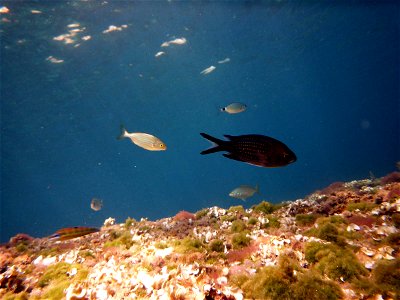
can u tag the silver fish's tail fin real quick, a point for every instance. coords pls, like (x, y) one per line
(123, 132)
(217, 144)
(219, 110)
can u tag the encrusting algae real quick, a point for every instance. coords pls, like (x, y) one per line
(342, 242)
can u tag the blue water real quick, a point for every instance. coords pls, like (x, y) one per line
(321, 77)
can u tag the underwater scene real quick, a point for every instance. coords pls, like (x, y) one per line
(200, 150)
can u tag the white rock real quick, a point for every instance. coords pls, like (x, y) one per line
(146, 280)
(369, 265)
(375, 212)
(349, 293)
(386, 250)
(388, 257)
(110, 221)
(101, 293)
(222, 280)
(164, 252)
(74, 292)
(73, 272)
(207, 287)
(353, 227)
(386, 230)
(367, 252)
(45, 261)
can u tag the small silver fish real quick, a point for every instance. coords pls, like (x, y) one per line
(244, 191)
(96, 204)
(234, 108)
(143, 140)
(208, 70)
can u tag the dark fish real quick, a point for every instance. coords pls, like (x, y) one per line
(254, 149)
(72, 232)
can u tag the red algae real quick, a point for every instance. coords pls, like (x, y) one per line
(394, 192)
(241, 254)
(332, 188)
(391, 177)
(363, 221)
(20, 238)
(184, 215)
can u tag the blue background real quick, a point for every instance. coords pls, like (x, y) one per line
(321, 77)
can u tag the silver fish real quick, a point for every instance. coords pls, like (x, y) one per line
(208, 70)
(244, 191)
(143, 140)
(96, 204)
(234, 108)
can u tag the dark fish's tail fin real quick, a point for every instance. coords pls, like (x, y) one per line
(217, 144)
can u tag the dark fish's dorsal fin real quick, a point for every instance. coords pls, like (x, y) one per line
(211, 138)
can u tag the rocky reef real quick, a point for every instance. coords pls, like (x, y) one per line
(342, 242)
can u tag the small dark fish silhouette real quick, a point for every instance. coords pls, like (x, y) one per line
(72, 232)
(254, 149)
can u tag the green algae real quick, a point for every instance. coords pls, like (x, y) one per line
(120, 239)
(264, 207)
(129, 222)
(280, 282)
(217, 246)
(56, 291)
(310, 286)
(188, 245)
(396, 220)
(393, 240)
(21, 247)
(236, 209)
(58, 272)
(338, 263)
(55, 279)
(386, 276)
(252, 221)
(273, 222)
(311, 250)
(86, 254)
(330, 229)
(306, 219)
(201, 213)
(240, 240)
(161, 245)
(54, 272)
(229, 218)
(238, 226)
(19, 296)
(361, 206)
(384, 280)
